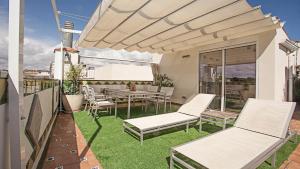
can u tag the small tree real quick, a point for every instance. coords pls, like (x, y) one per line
(72, 82)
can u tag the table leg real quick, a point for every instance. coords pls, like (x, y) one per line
(128, 110)
(224, 125)
(156, 107)
(165, 106)
(116, 106)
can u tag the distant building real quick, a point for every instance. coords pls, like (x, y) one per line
(3, 73)
(35, 73)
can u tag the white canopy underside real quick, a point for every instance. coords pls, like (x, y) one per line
(172, 25)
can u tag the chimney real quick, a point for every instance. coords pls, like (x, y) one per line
(68, 37)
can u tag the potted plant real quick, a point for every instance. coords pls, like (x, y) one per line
(72, 98)
(163, 81)
(131, 86)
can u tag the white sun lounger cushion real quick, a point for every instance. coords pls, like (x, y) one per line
(188, 112)
(267, 117)
(197, 105)
(233, 148)
(151, 122)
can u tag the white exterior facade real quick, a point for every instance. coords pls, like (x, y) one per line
(271, 65)
(122, 72)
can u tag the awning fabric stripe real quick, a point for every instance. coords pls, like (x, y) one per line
(172, 25)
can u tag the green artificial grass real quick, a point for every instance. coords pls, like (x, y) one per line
(116, 149)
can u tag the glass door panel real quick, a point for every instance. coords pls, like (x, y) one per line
(240, 77)
(210, 76)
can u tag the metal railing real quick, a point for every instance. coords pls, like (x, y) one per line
(3, 90)
(35, 85)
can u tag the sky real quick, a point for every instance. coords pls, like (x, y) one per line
(41, 35)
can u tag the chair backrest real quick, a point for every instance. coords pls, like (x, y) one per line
(91, 96)
(152, 88)
(167, 90)
(85, 91)
(266, 116)
(190, 98)
(140, 87)
(197, 105)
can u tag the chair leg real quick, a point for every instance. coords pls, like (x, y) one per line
(116, 107)
(85, 107)
(142, 102)
(170, 106)
(95, 113)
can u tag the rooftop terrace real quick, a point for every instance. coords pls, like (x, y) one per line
(114, 148)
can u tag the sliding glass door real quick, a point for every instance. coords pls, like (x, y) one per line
(238, 81)
(211, 76)
(240, 77)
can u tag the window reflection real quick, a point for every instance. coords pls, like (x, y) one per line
(211, 76)
(240, 76)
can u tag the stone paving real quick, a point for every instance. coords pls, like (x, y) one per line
(67, 148)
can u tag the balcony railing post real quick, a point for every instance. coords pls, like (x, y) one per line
(15, 88)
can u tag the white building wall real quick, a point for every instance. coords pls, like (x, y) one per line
(58, 64)
(124, 72)
(184, 72)
(281, 71)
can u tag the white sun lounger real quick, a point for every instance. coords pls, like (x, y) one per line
(259, 132)
(188, 113)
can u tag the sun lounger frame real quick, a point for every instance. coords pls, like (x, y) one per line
(142, 132)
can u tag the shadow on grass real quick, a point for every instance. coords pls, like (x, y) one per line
(206, 127)
(92, 138)
(137, 111)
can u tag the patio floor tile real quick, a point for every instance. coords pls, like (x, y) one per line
(68, 147)
(293, 161)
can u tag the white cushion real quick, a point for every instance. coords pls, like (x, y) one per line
(197, 105)
(266, 116)
(233, 148)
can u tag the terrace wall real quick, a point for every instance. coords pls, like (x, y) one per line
(3, 134)
(184, 70)
(40, 110)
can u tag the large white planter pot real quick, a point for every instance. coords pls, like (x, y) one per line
(72, 102)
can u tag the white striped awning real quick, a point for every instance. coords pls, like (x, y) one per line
(165, 26)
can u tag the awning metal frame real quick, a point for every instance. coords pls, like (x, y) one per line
(57, 20)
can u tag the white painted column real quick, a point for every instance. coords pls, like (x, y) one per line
(59, 64)
(62, 74)
(15, 83)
